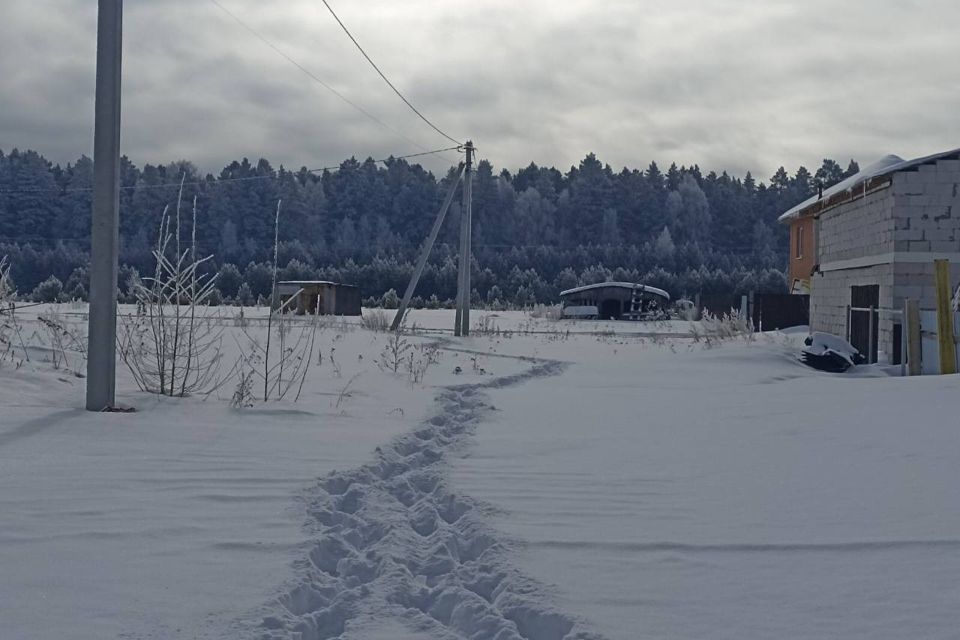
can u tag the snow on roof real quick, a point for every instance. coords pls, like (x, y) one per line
(624, 285)
(885, 166)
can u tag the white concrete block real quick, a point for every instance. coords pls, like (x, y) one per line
(948, 166)
(944, 245)
(910, 234)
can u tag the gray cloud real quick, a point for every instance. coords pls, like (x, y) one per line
(729, 86)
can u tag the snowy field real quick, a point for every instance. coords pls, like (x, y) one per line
(545, 480)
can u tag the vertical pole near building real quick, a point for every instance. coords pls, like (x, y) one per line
(913, 338)
(462, 321)
(104, 232)
(948, 348)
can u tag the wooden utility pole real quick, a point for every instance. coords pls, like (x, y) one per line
(462, 321)
(104, 232)
(948, 348)
(425, 252)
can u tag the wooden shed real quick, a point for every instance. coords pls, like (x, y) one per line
(318, 296)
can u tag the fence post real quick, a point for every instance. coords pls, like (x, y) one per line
(847, 329)
(870, 336)
(948, 349)
(913, 339)
(903, 339)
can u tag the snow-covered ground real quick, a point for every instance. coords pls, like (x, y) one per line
(572, 480)
(729, 493)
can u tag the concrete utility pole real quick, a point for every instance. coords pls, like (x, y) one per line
(462, 322)
(104, 233)
(425, 252)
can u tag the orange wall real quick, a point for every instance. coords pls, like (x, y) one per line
(801, 267)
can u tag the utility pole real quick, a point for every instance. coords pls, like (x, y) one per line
(425, 252)
(104, 233)
(462, 321)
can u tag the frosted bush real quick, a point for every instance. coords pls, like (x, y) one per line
(717, 328)
(375, 320)
(546, 311)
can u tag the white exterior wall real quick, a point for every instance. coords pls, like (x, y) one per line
(830, 296)
(927, 220)
(862, 229)
(859, 228)
(889, 238)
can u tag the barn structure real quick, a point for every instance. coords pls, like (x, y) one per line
(318, 296)
(869, 243)
(615, 301)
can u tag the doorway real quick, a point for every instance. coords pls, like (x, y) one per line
(610, 309)
(864, 323)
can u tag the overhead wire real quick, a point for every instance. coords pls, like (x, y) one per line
(384, 77)
(313, 76)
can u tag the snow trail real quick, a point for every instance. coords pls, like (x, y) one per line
(391, 539)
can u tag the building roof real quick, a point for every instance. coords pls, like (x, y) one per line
(885, 166)
(620, 285)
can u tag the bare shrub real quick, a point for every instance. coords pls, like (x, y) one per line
(421, 358)
(394, 353)
(243, 393)
(278, 374)
(375, 320)
(713, 329)
(546, 311)
(11, 336)
(345, 391)
(486, 325)
(63, 340)
(171, 346)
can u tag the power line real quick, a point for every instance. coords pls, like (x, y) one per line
(313, 76)
(215, 181)
(382, 75)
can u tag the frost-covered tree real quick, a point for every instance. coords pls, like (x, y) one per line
(49, 290)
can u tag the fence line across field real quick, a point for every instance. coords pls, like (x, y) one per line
(343, 322)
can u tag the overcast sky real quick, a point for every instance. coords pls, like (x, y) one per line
(727, 85)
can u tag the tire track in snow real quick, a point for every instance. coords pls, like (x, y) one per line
(392, 539)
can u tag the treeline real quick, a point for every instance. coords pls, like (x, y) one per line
(537, 231)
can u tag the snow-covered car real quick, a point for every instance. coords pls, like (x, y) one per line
(828, 352)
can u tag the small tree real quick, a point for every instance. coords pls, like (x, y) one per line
(229, 280)
(245, 295)
(48, 291)
(390, 300)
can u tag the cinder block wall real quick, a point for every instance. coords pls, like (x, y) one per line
(830, 295)
(927, 208)
(859, 228)
(927, 219)
(918, 214)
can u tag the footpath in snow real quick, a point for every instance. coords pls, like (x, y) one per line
(393, 540)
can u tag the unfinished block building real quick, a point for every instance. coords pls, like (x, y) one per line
(874, 238)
